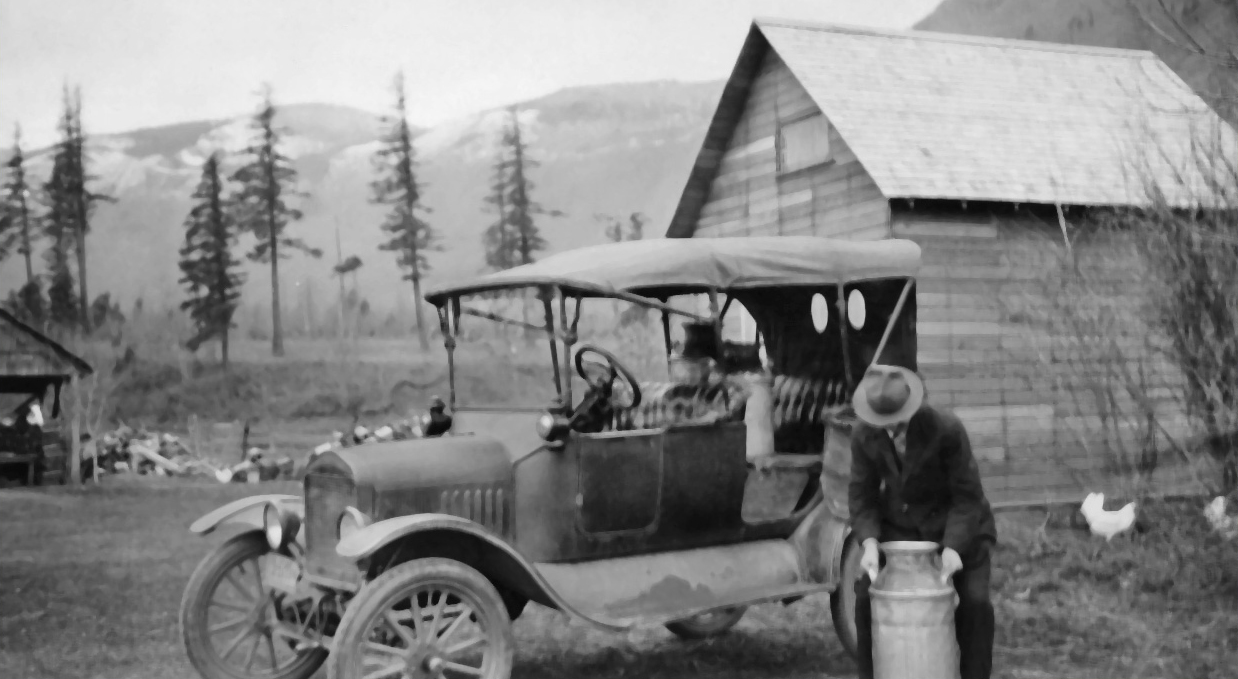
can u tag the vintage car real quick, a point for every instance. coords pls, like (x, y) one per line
(611, 504)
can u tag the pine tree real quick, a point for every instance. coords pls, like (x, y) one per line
(60, 226)
(16, 229)
(411, 237)
(513, 239)
(266, 180)
(210, 271)
(78, 200)
(497, 241)
(522, 207)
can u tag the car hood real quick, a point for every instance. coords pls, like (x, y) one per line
(420, 463)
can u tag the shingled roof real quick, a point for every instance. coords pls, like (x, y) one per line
(935, 115)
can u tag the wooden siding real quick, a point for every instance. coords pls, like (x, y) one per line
(990, 350)
(748, 197)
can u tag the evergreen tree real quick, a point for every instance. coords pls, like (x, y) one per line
(497, 241)
(396, 185)
(266, 181)
(60, 226)
(77, 198)
(210, 271)
(521, 206)
(15, 229)
(27, 303)
(513, 238)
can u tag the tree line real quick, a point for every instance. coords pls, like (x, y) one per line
(56, 213)
(260, 197)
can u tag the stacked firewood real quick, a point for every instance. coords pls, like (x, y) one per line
(126, 450)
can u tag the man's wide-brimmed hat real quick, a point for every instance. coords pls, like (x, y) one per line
(888, 395)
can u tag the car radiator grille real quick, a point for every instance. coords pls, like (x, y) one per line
(326, 496)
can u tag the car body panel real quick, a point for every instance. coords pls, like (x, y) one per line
(627, 591)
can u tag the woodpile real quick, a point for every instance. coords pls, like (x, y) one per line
(126, 450)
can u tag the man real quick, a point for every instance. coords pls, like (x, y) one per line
(913, 477)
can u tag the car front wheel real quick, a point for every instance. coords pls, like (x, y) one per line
(842, 600)
(230, 619)
(432, 618)
(707, 625)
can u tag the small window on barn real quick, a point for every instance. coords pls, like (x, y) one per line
(803, 143)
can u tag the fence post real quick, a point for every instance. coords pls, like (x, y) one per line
(75, 433)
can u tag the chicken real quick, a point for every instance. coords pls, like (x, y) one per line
(1106, 523)
(1227, 526)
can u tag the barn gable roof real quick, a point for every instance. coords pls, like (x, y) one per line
(935, 115)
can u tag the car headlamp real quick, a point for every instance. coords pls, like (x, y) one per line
(551, 427)
(280, 526)
(351, 521)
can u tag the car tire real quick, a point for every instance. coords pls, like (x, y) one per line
(707, 625)
(372, 621)
(219, 566)
(842, 599)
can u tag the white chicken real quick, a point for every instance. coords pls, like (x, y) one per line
(1106, 523)
(1227, 526)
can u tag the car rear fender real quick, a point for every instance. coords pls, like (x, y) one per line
(388, 543)
(246, 512)
(820, 540)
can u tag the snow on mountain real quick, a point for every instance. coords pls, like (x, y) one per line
(612, 149)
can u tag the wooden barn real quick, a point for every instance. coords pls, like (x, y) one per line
(984, 151)
(34, 370)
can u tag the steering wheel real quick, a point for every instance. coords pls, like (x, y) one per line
(601, 388)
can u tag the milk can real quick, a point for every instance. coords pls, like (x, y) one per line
(913, 616)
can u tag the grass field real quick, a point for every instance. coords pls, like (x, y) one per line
(91, 579)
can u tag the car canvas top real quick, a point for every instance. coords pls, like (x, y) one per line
(662, 266)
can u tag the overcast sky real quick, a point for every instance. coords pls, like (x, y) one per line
(151, 62)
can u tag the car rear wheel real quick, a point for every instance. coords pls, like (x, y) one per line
(707, 625)
(229, 618)
(428, 618)
(842, 600)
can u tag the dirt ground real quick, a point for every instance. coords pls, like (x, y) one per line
(91, 579)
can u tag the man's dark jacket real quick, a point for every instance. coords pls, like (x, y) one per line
(936, 496)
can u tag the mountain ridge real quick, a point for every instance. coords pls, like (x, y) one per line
(615, 148)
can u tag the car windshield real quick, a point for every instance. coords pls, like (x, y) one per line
(503, 366)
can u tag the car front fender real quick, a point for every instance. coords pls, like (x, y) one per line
(367, 541)
(246, 512)
(499, 561)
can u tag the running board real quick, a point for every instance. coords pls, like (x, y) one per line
(659, 588)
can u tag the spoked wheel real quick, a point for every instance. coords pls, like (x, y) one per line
(707, 625)
(425, 619)
(230, 620)
(842, 600)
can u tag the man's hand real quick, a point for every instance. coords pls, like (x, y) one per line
(871, 560)
(951, 563)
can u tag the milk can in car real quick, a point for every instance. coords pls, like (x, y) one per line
(913, 616)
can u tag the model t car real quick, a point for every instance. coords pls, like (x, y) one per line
(616, 500)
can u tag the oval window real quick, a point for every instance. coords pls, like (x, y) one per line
(856, 313)
(820, 312)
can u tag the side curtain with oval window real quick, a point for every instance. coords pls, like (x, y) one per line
(787, 320)
(869, 307)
